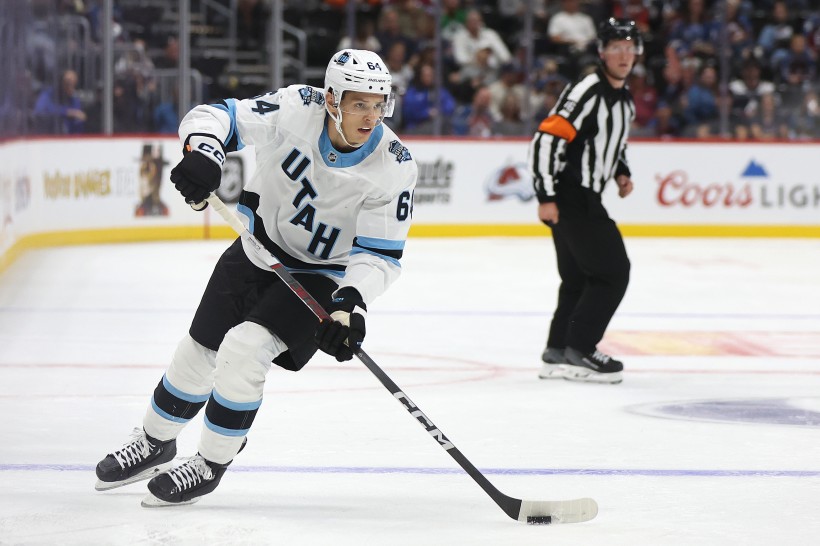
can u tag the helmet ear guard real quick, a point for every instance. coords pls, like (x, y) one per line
(614, 29)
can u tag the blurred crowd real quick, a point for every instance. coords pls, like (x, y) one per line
(710, 69)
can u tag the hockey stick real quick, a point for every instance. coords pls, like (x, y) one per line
(534, 512)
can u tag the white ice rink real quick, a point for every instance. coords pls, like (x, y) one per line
(713, 438)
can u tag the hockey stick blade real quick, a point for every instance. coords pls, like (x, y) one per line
(533, 512)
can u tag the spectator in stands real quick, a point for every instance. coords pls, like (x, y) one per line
(389, 32)
(795, 87)
(469, 77)
(746, 92)
(426, 28)
(664, 124)
(453, 17)
(738, 28)
(646, 100)
(700, 110)
(776, 34)
(694, 32)
(572, 35)
(510, 122)
(474, 37)
(676, 82)
(409, 13)
(481, 121)
(769, 123)
(94, 15)
(365, 37)
(422, 103)
(544, 108)
(130, 115)
(60, 110)
(170, 54)
(805, 119)
(396, 60)
(799, 54)
(811, 28)
(548, 78)
(572, 28)
(402, 72)
(679, 100)
(137, 68)
(507, 83)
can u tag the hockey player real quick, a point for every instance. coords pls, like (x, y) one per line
(331, 198)
(577, 149)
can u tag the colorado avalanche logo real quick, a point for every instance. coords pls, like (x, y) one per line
(397, 149)
(309, 95)
(343, 58)
(511, 180)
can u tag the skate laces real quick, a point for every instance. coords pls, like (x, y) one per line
(601, 357)
(190, 473)
(135, 450)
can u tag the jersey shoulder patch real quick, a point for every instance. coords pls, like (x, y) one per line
(399, 150)
(311, 94)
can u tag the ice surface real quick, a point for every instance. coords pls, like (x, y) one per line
(712, 438)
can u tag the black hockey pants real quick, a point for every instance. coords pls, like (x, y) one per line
(593, 266)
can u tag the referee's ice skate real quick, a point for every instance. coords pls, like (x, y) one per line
(552, 363)
(139, 459)
(594, 367)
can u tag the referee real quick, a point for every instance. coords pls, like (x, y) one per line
(577, 149)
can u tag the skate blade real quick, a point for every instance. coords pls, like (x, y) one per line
(150, 501)
(147, 474)
(551, 371)
(588, 376)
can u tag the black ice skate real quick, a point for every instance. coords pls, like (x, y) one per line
(594, 367)
(139, 459)
(184, 484)
(553, 360)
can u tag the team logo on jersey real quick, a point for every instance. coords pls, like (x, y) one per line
(397, 149)
(332, 157)
(310, 94)
(343, 58)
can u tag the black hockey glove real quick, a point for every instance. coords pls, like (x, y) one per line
(195, 177)
(345, 333)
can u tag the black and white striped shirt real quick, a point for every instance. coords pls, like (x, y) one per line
(583, 140)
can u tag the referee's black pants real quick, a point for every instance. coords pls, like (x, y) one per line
(593, 266)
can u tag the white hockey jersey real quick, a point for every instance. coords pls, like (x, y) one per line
(316, 209)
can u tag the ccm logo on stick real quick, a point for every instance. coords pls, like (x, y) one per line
(418, 414)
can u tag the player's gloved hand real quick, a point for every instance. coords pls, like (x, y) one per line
(195, 177)
(340, 336)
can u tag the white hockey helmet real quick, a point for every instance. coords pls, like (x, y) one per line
(359, 70)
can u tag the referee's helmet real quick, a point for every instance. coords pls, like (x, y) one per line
(619, 29)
